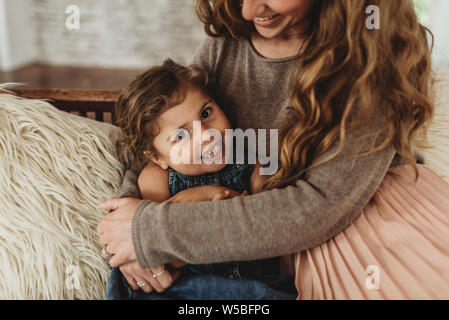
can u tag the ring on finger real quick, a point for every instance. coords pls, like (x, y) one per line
(141, 284)
(157, 275)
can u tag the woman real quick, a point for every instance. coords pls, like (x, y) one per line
(348, 103)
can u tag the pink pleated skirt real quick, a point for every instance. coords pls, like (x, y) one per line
(397, 248)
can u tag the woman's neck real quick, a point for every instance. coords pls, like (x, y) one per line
(277, 48)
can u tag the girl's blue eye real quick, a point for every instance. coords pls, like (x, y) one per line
(179, 135)
(206, 113)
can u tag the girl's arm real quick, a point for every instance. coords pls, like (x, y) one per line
(153, 186)
(129, 187)
(257, 180)
(153, 183)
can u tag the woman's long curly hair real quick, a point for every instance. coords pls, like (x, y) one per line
(346, 73)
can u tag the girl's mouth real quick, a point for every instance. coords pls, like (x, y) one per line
(212, 152)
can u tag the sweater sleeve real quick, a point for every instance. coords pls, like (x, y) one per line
(268, 224)
(129, 188)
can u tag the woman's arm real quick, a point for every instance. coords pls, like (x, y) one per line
(153, 185)
(268, 224)
(129, 187)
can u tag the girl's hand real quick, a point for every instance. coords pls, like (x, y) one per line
(205, 193)
(135, 275)
(223, 195)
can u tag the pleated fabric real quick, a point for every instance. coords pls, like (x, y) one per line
(398, 248)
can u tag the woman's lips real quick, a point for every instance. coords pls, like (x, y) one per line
(266, 21)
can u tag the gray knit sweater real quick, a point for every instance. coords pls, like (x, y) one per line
(268, 224)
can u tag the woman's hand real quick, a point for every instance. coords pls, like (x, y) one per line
(135, 275)
(115, 230)
(205, 193)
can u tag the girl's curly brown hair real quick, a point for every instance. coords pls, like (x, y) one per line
(146, 97)
(346, 70)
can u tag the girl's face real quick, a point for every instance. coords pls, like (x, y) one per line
(176, 139)
(276, 18)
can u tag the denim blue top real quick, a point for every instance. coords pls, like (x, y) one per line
(234, 176)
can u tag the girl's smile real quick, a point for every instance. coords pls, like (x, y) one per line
(212, 153)
(196, 130)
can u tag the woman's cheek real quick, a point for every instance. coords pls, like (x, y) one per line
(291, 6)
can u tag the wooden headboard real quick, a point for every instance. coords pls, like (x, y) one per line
(94, 104)
(87, 91)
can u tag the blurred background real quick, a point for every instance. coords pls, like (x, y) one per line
(434, 14)
(115, 40)
(118, 38)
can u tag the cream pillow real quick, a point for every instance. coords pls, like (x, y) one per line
(55, 168)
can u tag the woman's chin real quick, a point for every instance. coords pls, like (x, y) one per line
(267, 33)
(272, 32)
(281, 30)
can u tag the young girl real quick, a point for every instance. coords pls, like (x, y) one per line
(157, 112)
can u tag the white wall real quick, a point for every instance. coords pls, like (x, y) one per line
(116, 33)
(129, 33)
(438, 22)
(16, 45)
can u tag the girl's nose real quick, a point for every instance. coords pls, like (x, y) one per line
(209, 135)
(206, 135)
(253, 8)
